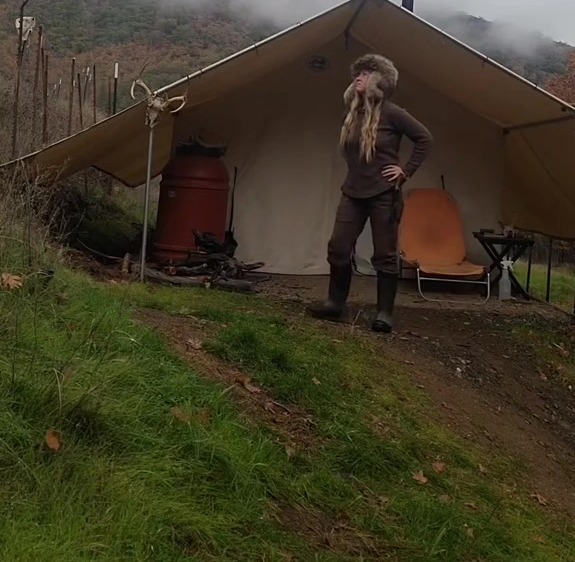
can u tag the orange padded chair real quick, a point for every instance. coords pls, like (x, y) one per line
(432, 241)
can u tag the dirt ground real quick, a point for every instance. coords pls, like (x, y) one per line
(487, 385)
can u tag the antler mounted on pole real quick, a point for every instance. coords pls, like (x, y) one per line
(158, 105)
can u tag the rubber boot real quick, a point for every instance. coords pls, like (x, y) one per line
(386, 293)
(339, 285)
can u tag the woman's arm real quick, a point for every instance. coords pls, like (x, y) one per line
(417, 133)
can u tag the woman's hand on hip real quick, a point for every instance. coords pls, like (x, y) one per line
(393, 174)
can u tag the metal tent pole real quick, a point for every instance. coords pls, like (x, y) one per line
(147, 206)
(157, 105)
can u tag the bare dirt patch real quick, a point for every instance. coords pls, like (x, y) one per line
(489, 386)
(335, 534)
(293, 425)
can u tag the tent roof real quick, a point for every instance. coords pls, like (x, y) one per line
(539, 127)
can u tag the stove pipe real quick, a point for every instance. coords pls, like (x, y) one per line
(407, 4)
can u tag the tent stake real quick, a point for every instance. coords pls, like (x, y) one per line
(157, 105)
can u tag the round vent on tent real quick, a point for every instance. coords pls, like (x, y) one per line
(317, 63)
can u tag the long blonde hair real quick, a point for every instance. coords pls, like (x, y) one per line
(362, 120)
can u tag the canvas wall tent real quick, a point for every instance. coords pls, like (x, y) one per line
(504, 146)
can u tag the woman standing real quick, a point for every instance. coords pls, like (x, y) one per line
(370, 139)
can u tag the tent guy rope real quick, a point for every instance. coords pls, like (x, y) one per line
(157, 104)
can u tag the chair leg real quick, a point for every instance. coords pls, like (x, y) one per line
(419, 288)
(428, 299)
(488, 288)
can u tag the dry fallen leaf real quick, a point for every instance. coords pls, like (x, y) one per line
(539, 540)
(54, 440)
(472, 505)
(542, 375)
(246, 382)
(269, 407)
(439, 467)
(316, 381)
(383, 500)
(194, 344)
(444, 498)
(470, 532)
(562, 350)
(420, 477)
(482, 469)
(540, 499)
(10, 282)
(180, 415)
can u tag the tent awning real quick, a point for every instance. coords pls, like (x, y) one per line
(538, 129)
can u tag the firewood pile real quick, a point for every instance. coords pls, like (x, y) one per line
(212, 265)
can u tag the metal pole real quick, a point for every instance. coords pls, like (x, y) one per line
(549, 263)
(109, 96)
(94, 94)
(156, 106)
(87, 83)
(45, 103)
(80, 102)
(39, 60)
(147, 206)
(20, 56)
(71, 101)
(116, 76)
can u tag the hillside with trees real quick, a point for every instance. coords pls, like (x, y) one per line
(178, 37)
(563, 85)
(175, 37)
(528, 53)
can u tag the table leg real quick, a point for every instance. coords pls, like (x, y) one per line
(497, 258)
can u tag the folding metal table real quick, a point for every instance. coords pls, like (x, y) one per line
(500, 247)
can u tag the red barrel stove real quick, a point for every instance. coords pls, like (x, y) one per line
(194, 194)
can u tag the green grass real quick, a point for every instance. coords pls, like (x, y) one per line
(133, 483)
(562, 292)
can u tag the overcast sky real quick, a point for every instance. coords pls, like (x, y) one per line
(555, 18)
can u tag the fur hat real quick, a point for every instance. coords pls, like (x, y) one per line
(382, 82)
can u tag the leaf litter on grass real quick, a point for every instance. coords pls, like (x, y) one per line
(275, 361)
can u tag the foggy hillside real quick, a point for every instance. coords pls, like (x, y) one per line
(176, 37)
(526, 52)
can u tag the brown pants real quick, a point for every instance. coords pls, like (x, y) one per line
(384, 213)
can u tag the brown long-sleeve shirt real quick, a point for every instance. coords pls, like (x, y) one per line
(364, 179)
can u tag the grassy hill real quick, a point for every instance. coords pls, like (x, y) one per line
(166, 425)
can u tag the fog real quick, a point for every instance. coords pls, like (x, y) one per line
(515, 19)
(280, 12)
